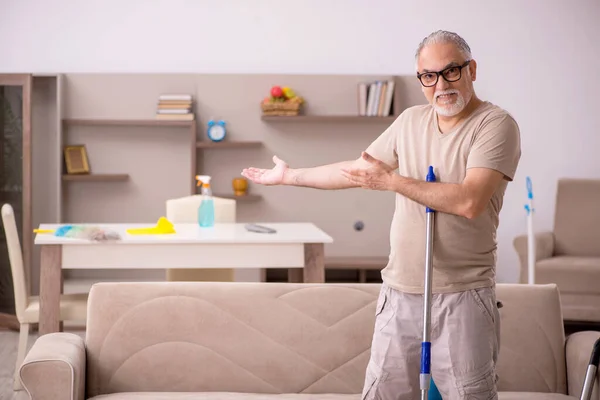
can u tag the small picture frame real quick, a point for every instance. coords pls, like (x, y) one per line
(76, 160)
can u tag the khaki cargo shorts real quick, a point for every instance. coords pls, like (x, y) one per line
(465, 340)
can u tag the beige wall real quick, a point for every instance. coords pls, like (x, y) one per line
(158, 159)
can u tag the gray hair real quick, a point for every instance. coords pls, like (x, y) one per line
(445, 37)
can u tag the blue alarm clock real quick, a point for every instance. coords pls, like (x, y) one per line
(216, 130)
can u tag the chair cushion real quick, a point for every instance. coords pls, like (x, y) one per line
(576, 222)
(293, 396)
(571, 274)
(73, 306)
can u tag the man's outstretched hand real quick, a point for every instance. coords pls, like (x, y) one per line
(377, 176)
(272, 176)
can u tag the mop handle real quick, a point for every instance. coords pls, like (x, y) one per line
(425, 376)
(592, 370)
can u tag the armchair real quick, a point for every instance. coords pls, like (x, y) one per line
(570, 255)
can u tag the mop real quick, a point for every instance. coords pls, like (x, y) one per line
(592, 370)
(530, 236)
(425, 376)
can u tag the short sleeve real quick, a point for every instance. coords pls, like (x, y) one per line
(384, 147)
(497, 146)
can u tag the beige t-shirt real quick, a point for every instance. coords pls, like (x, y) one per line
(464, 251)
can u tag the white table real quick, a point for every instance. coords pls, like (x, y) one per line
(297, 246)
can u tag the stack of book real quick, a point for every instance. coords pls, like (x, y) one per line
(175, 107)
(375, 99)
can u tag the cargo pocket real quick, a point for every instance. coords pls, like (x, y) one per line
(484, 305)
(381, 301)
(479, 386)
(373, 379)
(383, 310)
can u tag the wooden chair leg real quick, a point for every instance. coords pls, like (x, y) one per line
(21, 351)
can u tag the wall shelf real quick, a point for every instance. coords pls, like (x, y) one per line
(247, 197)
(95, 177)
(188, 125)
(227, 144)
(127, 122)
(328, 118)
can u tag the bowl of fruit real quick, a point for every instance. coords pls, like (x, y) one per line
(282, 101)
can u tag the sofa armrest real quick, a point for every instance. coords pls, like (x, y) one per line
(54, 368)
(578, 352)
(544, 248)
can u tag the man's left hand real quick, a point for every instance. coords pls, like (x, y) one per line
(377, 176)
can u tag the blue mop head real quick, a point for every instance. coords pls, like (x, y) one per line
(434, 393)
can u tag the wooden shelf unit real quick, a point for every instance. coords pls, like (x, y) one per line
(150, 122)
(329, 118)
(126, 122)
(95, 177)
(97, 92)
(227, 144)
(196, 144)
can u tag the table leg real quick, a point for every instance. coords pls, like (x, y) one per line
(295, 275)
(50, 289)
(314, 263)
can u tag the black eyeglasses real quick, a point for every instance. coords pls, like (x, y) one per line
(450, 74)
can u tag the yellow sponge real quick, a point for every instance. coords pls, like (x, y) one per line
(163, 226)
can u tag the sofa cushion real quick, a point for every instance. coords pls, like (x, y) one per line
(221, 336)
(571, 274)
(248, 396)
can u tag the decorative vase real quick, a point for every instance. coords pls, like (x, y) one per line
(240, 186)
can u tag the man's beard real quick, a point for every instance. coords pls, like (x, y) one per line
(450, 109)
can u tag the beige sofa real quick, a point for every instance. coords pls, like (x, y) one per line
(570, 255)
(251, 341)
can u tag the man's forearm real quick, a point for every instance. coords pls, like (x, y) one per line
(450, 198)
(328, 177)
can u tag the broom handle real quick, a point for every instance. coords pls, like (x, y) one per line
(530, 234)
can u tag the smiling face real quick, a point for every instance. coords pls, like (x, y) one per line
(447, 98)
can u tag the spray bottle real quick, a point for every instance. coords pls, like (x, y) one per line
(206, 210)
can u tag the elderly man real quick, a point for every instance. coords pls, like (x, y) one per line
(474, 147)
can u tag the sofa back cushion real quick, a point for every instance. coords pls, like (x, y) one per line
(283, 337)
(532, 339)
(223, 336)
(577, 218)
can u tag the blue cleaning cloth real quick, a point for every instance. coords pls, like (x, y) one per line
(62, 231)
